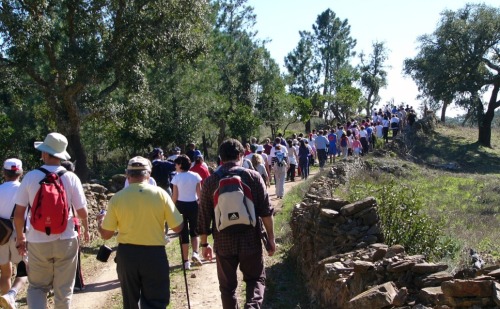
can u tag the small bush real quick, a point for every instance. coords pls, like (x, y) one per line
(403, 221)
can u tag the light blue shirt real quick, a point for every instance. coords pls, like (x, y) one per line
(321, 142)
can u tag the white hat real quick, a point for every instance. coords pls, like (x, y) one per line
(55, 144)
(260, 148)
(139, 164)
(13, 164)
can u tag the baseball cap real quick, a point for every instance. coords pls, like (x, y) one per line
(197, 154)
(13, 164)
(156, 152)
(139, 164)
(177, 149)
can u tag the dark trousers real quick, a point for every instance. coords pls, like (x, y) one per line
(144, 276)
(304, 167)
(322, 157)
(189, 211)
(364, 143)
(254, 275)
(385, 134)
(290, 173)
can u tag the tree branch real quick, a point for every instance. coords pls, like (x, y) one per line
(491, 65)
(105, 92)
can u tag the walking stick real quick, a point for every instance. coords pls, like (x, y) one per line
(184, 269)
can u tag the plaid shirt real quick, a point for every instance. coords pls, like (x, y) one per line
(233, 240)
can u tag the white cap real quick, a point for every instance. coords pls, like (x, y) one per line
(13, 164)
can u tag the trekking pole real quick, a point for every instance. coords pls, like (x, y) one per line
(184, 269)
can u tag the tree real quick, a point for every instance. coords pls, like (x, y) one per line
(303, 74)
(468, 44)
(79, 52)
(333, 46)
(237, 58)
(373, 75)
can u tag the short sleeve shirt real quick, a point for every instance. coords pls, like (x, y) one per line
(186, 185)
(139, 213)
(25, 196)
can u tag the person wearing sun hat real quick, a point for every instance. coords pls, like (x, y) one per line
(53, 258)
(139, 213)
(12, 172)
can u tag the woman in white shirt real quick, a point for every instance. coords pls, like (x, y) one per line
(186, 192)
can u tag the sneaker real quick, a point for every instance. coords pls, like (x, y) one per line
(187, 265)
(7, 301)
(196, 259)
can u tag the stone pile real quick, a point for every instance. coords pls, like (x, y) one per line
(97, 199)
(339, 248)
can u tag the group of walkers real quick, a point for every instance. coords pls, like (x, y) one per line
(176, 192)
(45, 207)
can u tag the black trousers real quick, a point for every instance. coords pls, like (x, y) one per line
(143, 272)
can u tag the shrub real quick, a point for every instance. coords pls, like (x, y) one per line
(403, 221)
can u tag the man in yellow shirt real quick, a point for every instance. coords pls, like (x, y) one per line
(139, 213)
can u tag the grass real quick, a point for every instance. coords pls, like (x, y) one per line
(466, 200)
(284, 287)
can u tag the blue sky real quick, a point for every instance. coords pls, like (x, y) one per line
(398, 23)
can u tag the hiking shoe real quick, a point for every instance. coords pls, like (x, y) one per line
(196, 259)
(8, 301)
(187, 265)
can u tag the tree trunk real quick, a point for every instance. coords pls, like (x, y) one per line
(308, 126)
(484, 123)
(78, 155)
(204, 145)
(443, 111)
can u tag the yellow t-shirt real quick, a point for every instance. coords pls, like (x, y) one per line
(139, 212)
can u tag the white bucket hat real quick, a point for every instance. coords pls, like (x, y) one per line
(55, 144)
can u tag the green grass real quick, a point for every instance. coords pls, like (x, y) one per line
(465, 201)
(284, 287)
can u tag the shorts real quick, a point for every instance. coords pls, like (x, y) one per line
(9, 253)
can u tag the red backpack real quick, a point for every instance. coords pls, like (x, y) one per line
(50, 210)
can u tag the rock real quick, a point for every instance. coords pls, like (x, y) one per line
(329, 213)
(431, 296)
(495, 273)
(333, 203)
(433, 279)
(351, 209)
(377, 297)
(362, 266)
(393, 251)
(496, 293)
(401, 297)
(468, 288)
(470, 302)
(428, 268)
(379, 253)
(400, 266)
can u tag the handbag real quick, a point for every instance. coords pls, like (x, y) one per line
(6, 228)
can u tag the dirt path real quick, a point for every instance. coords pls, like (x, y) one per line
(103, 288)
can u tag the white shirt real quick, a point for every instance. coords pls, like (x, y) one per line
(25, 196)
(186, 185)
(273, 150)
(7, 194)
(151, 181)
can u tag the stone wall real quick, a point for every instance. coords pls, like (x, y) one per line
(97, 199)
(338, 246)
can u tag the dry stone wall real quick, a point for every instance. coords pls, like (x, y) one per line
(338, 246)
